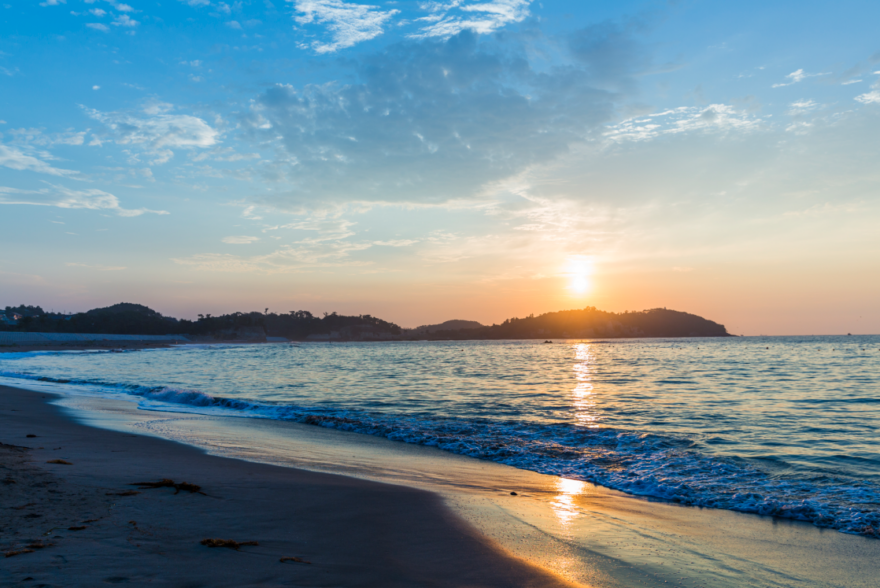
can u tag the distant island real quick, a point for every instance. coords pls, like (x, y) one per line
(135, 319)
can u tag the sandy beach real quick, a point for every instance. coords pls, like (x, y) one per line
(82, 523)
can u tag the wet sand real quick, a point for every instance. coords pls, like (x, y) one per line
(95, 531)
(585, 533)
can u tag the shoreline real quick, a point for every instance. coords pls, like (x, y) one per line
(354, 532)
(574, 531)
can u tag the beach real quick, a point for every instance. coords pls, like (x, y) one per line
(352, 532)
(383, 465)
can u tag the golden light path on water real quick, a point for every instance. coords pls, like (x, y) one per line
(586, 415)
(583, 402)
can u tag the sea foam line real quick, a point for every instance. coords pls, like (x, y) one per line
(637, 463)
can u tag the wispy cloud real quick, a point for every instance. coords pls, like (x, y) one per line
(713, 118)
(798, 76)
(158, 131)
(62, 197)
(872, 97)
(348, 23)
(801, 107)
(430, 122)
(396, 243)
(100, 268)
(448, 19)
(16, 159)
(242, 240)
(123, 20)
(294, 258)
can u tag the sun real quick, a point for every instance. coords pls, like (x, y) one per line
(579, 270)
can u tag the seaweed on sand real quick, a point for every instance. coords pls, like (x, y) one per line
(229, 543)
(167, 483)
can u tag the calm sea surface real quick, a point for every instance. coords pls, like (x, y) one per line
(783, 426)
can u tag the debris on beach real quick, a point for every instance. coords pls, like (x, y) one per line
(229, 543)
(126, 493)
(166, 483)
(30, 436)
(79, 528)
(296, 559)
(513, 494)
(39, 545)
(17, 552)
(59, 461)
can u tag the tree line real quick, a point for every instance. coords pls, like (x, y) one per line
(589, 322)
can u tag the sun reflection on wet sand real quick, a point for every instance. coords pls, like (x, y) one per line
(563, 505)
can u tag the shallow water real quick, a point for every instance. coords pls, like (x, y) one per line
(784, 426)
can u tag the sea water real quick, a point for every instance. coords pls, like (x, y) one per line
(780, 426)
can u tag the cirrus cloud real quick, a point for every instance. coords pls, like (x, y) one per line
(347, 22)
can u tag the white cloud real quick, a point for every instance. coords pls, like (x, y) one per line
(62, 197)
(93, 199)
(851, 82)
(98, 26)
(480, 17)
(248, 213)
(872, 97)
(348, 23)
(196, 3)
(32, 137)
(396, 243)
(234, 24)
(716, 117)
(53, 2)
(96, 87)
(242, 240)
(123, 20)
(159, 132)
(121, 7)
(99, 12)
(798, 76)
(801, 107)
(16, 159)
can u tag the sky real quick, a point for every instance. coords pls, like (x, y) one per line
(432, 160)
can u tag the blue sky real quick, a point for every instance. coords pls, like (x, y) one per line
(430, 160)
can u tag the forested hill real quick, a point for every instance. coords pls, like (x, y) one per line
(589, 322)
(135, 319)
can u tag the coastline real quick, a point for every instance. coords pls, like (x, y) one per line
(354, 532)
(583, 533)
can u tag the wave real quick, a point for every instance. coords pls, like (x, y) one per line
(643, 464)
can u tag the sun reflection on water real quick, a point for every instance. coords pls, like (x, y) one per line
(583, 403)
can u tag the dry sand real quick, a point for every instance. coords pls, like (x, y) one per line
(354, 532)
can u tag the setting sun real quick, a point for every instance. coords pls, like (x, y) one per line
(578, 272)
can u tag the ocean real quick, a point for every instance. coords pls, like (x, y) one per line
(779, 426)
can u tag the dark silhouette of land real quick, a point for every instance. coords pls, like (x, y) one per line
(453, 325)
(135, 319)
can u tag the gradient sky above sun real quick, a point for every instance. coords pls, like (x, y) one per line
(423, 161)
